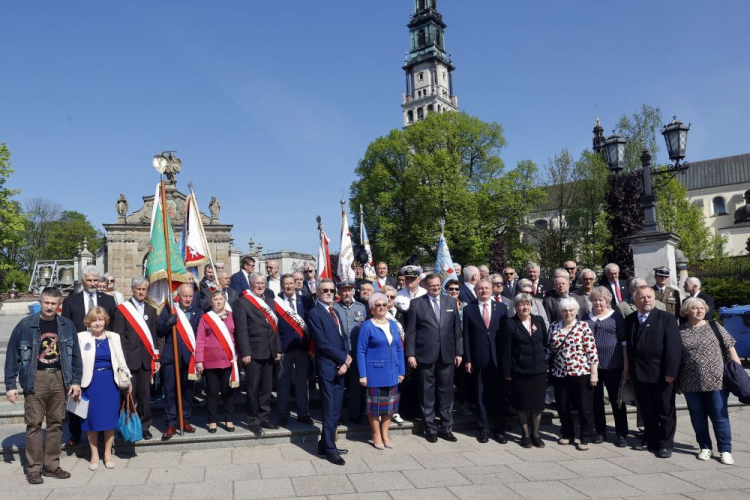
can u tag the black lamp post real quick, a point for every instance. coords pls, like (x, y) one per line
(675, 135)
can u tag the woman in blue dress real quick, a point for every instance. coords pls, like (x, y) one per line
(101, 354)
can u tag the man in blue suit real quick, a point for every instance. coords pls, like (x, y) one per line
(332, 360)
(240, 280)
(164, 326)
(484, 320)
(295, 349)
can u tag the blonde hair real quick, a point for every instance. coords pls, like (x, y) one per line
(94, 314)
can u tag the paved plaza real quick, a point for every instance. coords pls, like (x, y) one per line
(413, 470)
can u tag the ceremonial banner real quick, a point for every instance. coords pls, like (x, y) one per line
(196, 247)
(443, 262)
(346, 255)
(370, 265)
(156, 260)
(323, 265)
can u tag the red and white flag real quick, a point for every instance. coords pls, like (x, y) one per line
(346, 254)
(323, 265)
(196, 247)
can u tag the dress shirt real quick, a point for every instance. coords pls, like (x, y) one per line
(292, 301)
(89, 296)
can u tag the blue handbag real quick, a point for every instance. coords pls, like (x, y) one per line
(736, 378)
(129, 427)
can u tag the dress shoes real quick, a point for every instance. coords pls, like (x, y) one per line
(335, 459)
(483, 437)
(170, 431)
(431, 438)
(621, 442)
(188, 428)
(305, 419)
(212, 430)
(537, 441)
(526, 442)
(282, 421)
(448, 436)
(598, 439)
(340, 451)
(500, 438)
(255, 429)
(664, 453)
(72, 442)
(268, 425)
(147, 436)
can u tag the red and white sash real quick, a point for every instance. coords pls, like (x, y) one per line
(137, 323)
(221, 332)
(267, 312)
(290, 316)
(185, 329)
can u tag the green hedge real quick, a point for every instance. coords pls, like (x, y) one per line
(726, 292)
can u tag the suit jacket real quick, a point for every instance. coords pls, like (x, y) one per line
(709, 307)
(553, 310)
(252, 332)
(509, 290)
(481, 343)
(74, 309)
(232, 297)
(307, 291)
(331, 343)
(508, 304)
(429, 341)
(543, 287)
(136, 354)
(623, 290)
(671, 298)
(238, 282)
(654, 348)
(288, 337)
(164, 332)
(466, 294)
(524, 354)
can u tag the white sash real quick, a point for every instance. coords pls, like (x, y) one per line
(216, 323)
(260, 303)
(182, 318)
(283, 304)
(139, 319)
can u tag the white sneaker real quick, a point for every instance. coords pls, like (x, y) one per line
(397, 418)
(726, 458)
(705, 455)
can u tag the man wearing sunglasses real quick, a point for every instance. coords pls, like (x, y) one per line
(309, 283)
(332, 361)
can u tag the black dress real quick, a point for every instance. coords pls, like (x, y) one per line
(526, 363)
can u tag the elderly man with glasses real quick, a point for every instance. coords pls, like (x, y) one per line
(309, 280)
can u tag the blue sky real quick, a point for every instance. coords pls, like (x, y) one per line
(271, 104)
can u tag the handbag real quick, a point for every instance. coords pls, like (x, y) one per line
(626, 393)
(736, 378)
(122, 375)
(129, 427)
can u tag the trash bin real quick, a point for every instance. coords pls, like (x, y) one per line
(35, 308)
(737, 322)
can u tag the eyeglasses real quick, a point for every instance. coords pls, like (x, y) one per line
(325, 290)
(497, 283)
(381, 305)
(452, 289)
(391, 297)
(588, 279)
(570, 268)
(308, 270)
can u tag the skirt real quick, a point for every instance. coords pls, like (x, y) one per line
(382, 401)
(527, 392)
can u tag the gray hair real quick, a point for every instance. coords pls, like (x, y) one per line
(375, 297)
(91, 271)
(587, 271)
(492, 277)
(295, 273)
(327, 280)
(601, 291)
(611, 266)
(387, 288)
(532, 265)
(689, 302)
(522, 297)
(470, 271)
(483, 268)
(561, 277)
(137, 281)
(524, 282)
(484, 280)
(561, 272)
(181, 287)
(693, 281)
(636, 283)
(569, 303)
(222, 273)
(103, 278)
(252, 277)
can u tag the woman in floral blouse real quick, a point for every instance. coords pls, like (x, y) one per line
(701, 379)
(573, 366)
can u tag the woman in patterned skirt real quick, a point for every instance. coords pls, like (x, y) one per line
(701, 378)
(380, 359)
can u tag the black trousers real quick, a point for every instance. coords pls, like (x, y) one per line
(217, 382)
(436, 395)
(74, 426)
(491, 395)
(656, 402)
(578, 391)
(259, 381)
(141, 382)
(354, 391)
(610, 379)
(170, 394)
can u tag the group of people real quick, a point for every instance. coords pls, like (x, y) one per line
(493, 341)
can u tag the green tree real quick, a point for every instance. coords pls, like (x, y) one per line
(67, 233)
(562, 178)
(41, 214)
(12, 221)
(446, 166)
(642, 131)
(675, 214)
(588, 224)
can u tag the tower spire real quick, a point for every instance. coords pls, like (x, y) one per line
(599, 139)
(427, 66)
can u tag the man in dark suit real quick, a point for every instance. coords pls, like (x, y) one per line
(510, 281)
(617, 287)
(471, 277)
(571, 268)
(138, 355)
(483, 324)
(382, 279)
(692, 288)
(434, 346)
(255, 327)
(299, 284)
(496, 281)
(332, 362)
(539, 286)
(209, 281)
(240, 280)
(310, 279)
(75, 307)
(654, 353)
(295, 348)
(230, 294)
(562, 291)
(168, 319)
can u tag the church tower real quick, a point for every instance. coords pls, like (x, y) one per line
(599, 139)
(429, 72)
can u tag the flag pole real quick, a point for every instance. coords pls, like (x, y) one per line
(361, 223)
(170, 303)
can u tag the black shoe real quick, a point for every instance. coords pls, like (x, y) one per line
(640, 445)
(664, 453)
(355, 421)
(526, 442)
(230, 429)
(335, 459)
(448, 436)
(147, 436)
(212, 430)
(282, 421)
(342, 451)
(598, 439)
(305, 419)
(537, 441)
(431, 438)
(500, 438)
(69, 444)
(483, 437)
(255, 429)
(268, 425)
(621, 442)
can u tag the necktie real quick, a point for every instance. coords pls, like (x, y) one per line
(497, 298)
(311, 286)
(619, 294)
(91, 302)
(533, 288)
(641, 318)
(436, 307)
(335, 319)
(248, 280)
(486, 315)
(291, 305)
